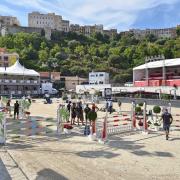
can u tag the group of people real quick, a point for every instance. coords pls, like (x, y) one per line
(16, 108)
(78, 111)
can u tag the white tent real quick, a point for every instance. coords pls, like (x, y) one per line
(18, 69)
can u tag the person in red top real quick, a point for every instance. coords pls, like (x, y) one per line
(94, 107)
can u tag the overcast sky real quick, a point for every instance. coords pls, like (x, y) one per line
(120, 14)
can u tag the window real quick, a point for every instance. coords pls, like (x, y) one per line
(101, 82)
(91, 75)
(101, 75)
(6, 58)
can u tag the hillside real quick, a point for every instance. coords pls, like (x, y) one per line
(73, 54)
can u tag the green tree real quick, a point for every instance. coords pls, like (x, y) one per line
(43, 55)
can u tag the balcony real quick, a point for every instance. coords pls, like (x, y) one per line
(19, 82)
(15, 92)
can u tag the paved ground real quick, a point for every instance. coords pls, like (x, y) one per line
(75, 157)
(125, 156)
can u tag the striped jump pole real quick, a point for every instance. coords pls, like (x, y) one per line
(104, 131)
(145, 125)
(2, 128)
(133, 114)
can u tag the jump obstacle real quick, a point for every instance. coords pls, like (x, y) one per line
(124, 121)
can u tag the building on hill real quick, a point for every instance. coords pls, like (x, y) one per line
(98, 78)
(17, 80)
(86, 30)
(6, 58)
(160, 33)
(16, 29)
(50, 20)
(9, 21)
(75, 28)
(110, 32)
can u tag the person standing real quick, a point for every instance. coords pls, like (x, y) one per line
(110, 106)
(73, 113)
(119, 105)
(16, 110)
(80, 112)
(29, 98)
(69, 106)
(86, 110)
(167, 121)
(8, 106)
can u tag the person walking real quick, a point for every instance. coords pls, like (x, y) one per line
(167, 121)
(16, 110)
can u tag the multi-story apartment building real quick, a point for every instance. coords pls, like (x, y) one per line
(165, 32)
(51, 20)
(111, 32)
(75, 28)
(7, 59)
(98, 78)
(86, 30)
(9, 20)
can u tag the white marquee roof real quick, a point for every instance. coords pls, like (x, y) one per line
(157, 64)
(18, 69)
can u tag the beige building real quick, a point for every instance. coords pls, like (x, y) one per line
(111, 32)
(7, 59)
(164, 33)
(51, 20)
(86, 30)
(9, 20)
(75, 28)
(71, 82)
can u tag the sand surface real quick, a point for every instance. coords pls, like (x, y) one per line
(125, 156)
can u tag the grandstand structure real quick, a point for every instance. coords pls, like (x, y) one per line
(158, 75)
